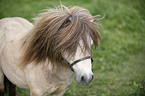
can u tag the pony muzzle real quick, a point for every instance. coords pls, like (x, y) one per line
(85, 80)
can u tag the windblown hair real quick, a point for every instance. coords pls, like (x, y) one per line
(57, 31)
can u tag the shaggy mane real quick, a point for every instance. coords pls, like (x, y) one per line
(57, 31)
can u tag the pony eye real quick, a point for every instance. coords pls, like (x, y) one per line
(66, 23)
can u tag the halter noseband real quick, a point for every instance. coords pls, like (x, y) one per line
(79, 60)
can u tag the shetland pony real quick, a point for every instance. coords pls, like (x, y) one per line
(45, 57)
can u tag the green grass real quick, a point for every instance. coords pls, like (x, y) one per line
(119, 63)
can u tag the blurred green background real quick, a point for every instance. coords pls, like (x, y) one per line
(119, 63)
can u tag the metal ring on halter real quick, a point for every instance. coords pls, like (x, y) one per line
(79, 60)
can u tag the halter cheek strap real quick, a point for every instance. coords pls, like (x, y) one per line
(79, 60)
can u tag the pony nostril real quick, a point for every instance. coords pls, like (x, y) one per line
(83, 79)
(92, 78)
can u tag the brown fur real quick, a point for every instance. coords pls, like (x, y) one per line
(57, 31)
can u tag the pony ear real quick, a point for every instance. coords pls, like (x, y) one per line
(93, 20)
(67, 22)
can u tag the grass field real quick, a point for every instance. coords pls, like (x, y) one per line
(119, 63)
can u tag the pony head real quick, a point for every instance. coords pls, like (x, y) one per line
(64, 35)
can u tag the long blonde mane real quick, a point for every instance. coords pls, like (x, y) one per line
(59, 30)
